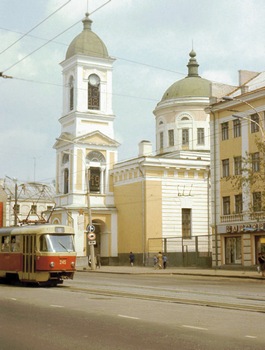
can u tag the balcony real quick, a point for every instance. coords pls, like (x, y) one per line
(232, 217)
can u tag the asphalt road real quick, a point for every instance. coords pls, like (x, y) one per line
(71, 316)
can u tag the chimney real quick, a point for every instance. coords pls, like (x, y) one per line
(145, 148)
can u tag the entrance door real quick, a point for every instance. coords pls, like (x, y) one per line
(233, 254)
(29, 244)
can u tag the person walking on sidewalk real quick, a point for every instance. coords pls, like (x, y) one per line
(261, 260)
(160, 260)
(164, 261)
(131, 258)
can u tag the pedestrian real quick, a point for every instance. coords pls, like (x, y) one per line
(261, 260)
(131, 258)
(98, 261)
(164, 261)
(155, 261)
(160, 260)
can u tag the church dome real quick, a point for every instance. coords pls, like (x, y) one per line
(87, 43)
(191, 86)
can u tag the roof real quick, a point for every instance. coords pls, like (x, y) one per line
(87, 43)
(191, 86)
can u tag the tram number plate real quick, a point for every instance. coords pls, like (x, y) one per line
(62, 261)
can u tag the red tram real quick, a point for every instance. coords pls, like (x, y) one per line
(42, 254)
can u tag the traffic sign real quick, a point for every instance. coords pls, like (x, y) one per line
(90, 228)
(91, 236)
(92, 242)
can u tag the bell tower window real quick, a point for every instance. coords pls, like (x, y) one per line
(71, 94)
(93, 92)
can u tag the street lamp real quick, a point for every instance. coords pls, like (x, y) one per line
(87, 176)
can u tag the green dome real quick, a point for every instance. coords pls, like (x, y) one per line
(191, 86)
(87, 43)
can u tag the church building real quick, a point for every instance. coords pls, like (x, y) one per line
(157, 201)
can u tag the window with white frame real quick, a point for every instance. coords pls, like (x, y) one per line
(200, 136)
(225, 167)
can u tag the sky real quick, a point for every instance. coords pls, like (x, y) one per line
(150, 41)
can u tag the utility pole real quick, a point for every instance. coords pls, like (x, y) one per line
(90, 227)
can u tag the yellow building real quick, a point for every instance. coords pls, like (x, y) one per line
(237, 129)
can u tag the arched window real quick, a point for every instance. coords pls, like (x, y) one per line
(71, 93)
(93, 92)
(66, 181)
(96, 162)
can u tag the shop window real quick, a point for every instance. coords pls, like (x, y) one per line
(233, 250)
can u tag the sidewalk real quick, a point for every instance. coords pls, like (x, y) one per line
(137, 270)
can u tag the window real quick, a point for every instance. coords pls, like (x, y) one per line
(256, 201)
(94, 181)
(161, 136)
(255, 162)
(186, 223)
(224, 131)
(254, 123)
(225, 166)
(226, 205)
(238, 204)
(93, 92)
(66, 181)
(238, 165)
(237, 128)
(185, 137)
(200, 136)
(33, 209)
(71, 94)
(171, 137)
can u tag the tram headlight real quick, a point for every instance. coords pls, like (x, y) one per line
(72, 264)
(52, 264)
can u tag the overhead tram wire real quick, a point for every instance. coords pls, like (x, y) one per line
(36, 26)
(49, 41)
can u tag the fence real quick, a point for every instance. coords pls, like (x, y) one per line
(195, 251)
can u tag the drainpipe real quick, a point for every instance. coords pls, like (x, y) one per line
(143, 214)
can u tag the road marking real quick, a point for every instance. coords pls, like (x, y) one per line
(133, 318)
(56, 305)
(250, 336)
(194, 327)
(13, 298)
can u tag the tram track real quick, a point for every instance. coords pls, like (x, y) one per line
(257, 306)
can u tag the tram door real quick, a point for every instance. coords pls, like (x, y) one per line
(29, 244)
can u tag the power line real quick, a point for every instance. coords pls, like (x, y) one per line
(36, 26)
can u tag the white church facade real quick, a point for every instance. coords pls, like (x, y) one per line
(158, 201)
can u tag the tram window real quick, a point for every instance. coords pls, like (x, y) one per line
(5, 247)
(56, 243)
(15, 243)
